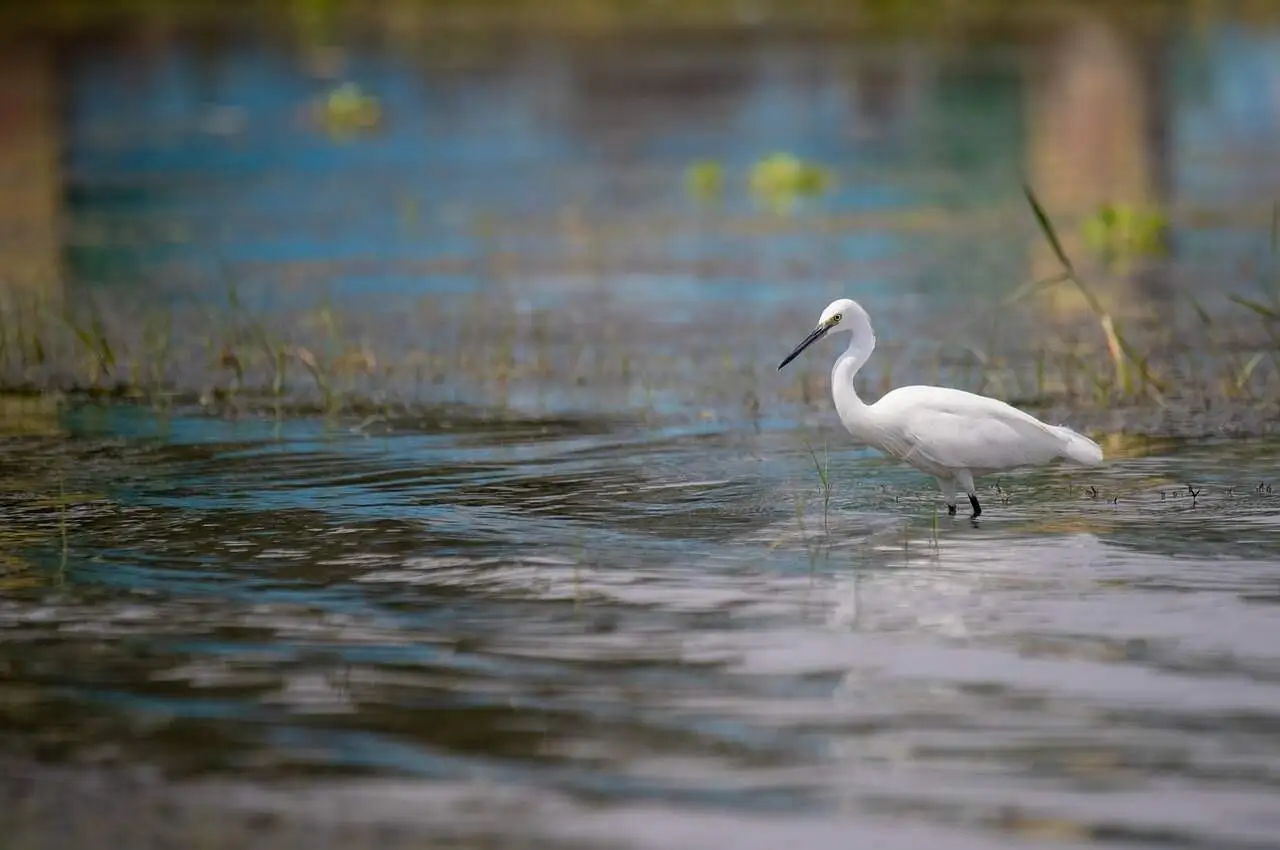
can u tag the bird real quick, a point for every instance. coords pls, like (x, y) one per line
(953, 435)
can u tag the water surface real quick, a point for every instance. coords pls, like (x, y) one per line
(645, 617)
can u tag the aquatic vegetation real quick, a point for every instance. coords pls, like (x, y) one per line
(1124, 357)
(244, 364)
(1122, 232)
(704, 179)
(347, 109)
(824, 478)
(233, 359)
(780, 180)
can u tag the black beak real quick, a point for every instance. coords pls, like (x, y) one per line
(818, 333)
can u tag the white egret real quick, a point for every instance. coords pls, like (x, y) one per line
(953, 435)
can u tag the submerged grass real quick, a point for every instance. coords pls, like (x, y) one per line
(824, 479)
(1124, 356)
(481, 356)
(600, 351)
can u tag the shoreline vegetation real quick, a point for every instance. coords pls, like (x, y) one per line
(1199, 372)
(1205, 353)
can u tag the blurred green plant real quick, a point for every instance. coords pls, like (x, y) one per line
(347, 109)
(777, 181)
(781, 179)
(704, 179)
(1123, 232)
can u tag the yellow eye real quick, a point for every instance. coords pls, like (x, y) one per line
(835, 320)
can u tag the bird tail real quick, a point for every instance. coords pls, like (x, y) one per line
(1078, 447)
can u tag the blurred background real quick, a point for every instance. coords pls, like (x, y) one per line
(431, 169)
(388, 393)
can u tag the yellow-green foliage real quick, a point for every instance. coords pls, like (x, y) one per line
(348, 109)
(705, 179)
(1124, 231)
(781, 179)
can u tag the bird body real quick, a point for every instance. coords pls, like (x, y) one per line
(950, 434)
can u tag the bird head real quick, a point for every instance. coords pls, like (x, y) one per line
(843, 314)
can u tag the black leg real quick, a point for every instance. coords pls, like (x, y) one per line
(951, 509)
(977, 509)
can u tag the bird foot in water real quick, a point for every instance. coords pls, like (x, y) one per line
(977, 508)
(951, 510)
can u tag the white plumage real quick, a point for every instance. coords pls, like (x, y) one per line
(950, 434)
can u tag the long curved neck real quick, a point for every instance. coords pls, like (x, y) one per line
(855, 415)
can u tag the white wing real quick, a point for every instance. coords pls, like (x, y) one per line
(957, 429)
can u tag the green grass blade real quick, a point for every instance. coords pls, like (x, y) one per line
(1256, 306)
(1047, 227)
(1200, 311)
(105, 354)
(1034, 286)
(822, 473)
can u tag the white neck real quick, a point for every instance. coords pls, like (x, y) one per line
(856, 416)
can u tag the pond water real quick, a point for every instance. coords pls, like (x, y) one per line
(595, 621)
(651, 620)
